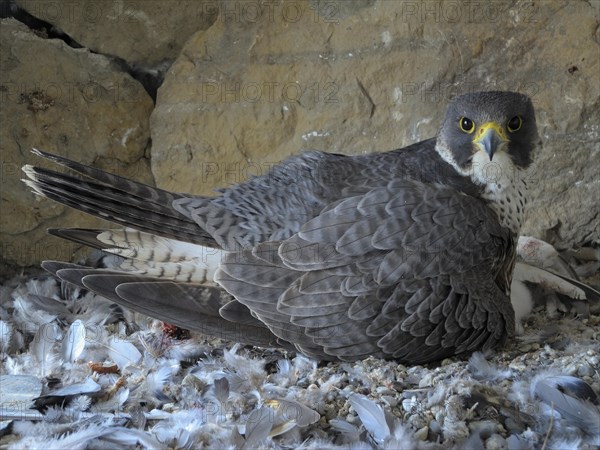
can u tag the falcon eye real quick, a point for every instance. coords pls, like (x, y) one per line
(467, 125)
(514, 124)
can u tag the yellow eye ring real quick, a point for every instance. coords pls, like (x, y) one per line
(514, 124)
(466, 124)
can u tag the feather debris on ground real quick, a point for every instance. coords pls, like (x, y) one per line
(79, 372)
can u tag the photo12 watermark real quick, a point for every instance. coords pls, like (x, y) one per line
(274, 11)
(81, 11)
(267, 92)
(426, 92)
(465, 11)
(41, 96)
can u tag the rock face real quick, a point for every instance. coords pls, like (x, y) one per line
(143, 33)
(365, 76)
(70, 102)
(259, 81)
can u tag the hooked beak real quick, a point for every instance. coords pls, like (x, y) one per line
(490, 136)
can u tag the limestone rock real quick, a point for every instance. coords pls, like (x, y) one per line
(365, 76)
(70, 102)
(140, 32)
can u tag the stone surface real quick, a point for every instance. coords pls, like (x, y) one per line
(362, 76)
(141, 32)
(70, 102)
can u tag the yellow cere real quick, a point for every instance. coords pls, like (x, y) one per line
(483, 129)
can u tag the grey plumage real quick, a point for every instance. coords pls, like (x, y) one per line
(406, 254)
(573, 399)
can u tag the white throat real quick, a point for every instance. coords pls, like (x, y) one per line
(504, 185)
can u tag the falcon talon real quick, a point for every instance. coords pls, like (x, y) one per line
(223, 265)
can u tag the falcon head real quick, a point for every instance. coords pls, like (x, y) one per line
(485, 129)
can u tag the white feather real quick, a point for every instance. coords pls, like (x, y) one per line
(43, 342)
(81, 403)
(131, 438)
(294, 411)
(74, 342)
(349, 431)
(157, 380)
(46, 287)
(6, 332)
(256, 428)
(481, 368)
(371, 415)
(77, 440)
(566, 444)
(123, 353)
(114, 402)
(28, 318)
(88, 386)
(250, 371)
(158, 256)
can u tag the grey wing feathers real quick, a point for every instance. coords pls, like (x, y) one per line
(116, 199)
(191, 306)
(274, 206)
(401, 226)
(354, 282)
(269, 207)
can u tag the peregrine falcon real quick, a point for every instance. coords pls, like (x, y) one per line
(406, 254)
